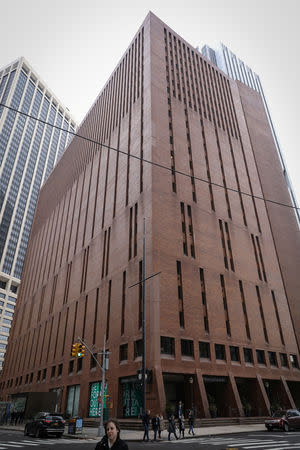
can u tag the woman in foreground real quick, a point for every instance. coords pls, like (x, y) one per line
(112, 437)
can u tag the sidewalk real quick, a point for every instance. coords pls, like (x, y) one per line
(131, 435)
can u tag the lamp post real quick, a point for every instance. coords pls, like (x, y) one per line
(191, 381)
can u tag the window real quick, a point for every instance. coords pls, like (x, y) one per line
(220, 352)
(13, 289)
(138, 348)
(26, 379)
(5, 329)
(79, 364)
(44, 374)
(93, 362)
(38, 377)
(71, 366)
(234, 353)
(187, 347)
(2, 284)
(167, 345)
(12, 299)
(124, 352)
(53, 371)
(294, 361)
(59, 371)
(204, 350)
(248, 355)
(31, 378)
(283, 360)
(261, 359)
(9, 306)
(273, 359)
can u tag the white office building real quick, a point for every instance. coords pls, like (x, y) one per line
(29, 149)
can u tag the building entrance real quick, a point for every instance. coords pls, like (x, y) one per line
(179, 387)
(220, 396)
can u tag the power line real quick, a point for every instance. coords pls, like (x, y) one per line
(161, 166)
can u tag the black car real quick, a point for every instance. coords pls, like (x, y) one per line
(284, 420)
(45, 424)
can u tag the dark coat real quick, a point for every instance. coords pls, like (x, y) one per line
(118, 445)
(155, 423)
(171, 426)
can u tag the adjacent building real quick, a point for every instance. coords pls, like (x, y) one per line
(29, 149)
(171, 141)
(236, 69)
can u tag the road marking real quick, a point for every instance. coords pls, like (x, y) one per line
(22, 442)
(283, 444)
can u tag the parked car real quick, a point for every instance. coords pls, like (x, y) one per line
(45, 424)
(284, 420)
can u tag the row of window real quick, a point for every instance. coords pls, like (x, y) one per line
(12, 288)
(187, 349)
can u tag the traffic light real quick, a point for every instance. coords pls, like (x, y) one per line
(74, 350)
(80, 350)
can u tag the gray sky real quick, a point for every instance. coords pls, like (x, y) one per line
(74, 46)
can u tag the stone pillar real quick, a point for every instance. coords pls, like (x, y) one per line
(236, 395)
(287, 392)
(203, 396)
(262, 390)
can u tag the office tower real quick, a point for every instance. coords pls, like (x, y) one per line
(173, 142)
(236, 69)
(29, 149)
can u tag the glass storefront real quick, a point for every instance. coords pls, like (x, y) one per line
(73, 400)
(94, 406)
(132, 397)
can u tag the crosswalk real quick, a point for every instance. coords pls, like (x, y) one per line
(25, 443)
(273, 442)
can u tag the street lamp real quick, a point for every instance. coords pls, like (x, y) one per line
(191, 381)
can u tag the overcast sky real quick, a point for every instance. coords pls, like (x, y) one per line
(74, 45)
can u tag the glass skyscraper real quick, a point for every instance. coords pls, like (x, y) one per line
(236, 69)
(29, 149)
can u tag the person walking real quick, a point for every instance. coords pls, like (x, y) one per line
(161, 424)
(181, 426)
(146, 422)
(191, 422)
(155, 426)
(112, 437)
(171, 427)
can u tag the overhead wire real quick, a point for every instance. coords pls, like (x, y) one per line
(123, 152)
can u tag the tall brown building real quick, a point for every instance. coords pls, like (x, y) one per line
(174, 141)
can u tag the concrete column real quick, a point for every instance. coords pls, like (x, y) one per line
(161, 401)
(287, 392)
(203, 396)
(236, 395)
(266, 402)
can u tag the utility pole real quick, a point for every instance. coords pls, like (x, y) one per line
(144, 370)
(104, 354)
(144, 321)
(103, 367)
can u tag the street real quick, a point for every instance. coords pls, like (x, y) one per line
(241, 441)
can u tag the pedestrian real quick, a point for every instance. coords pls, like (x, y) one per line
(181, 426)
(180, 409)
(161, 424)
(191, 422)
(155, 426)
(146, 422)
(112, 437)
(171, 427)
